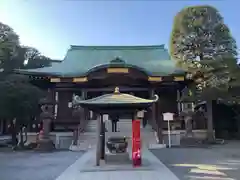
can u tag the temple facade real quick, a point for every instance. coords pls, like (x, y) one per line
(91, 71)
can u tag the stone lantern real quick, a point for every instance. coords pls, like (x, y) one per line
(45, 143)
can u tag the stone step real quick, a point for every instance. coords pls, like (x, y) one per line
(91, 126)
(84, 137)
(88, 139)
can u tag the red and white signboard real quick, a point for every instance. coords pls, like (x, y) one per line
(136, 143)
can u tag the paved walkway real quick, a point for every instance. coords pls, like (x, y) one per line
(84, 169)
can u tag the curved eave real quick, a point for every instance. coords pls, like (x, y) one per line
(127, 108)
(115, 100)
(99, 67)
(37, 73)
(56, 72)
(32, 72)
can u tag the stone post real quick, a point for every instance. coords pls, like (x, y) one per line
(102, 136)
(98, 149)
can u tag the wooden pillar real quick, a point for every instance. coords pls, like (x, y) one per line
(83, 97)
(178, 102)
(1, 127)
(153, 115)
(56, 104)
(50, 96)
(159, 121)
(84, 94)
(157, 116)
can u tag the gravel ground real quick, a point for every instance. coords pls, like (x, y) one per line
(211, 160)
(34, 165)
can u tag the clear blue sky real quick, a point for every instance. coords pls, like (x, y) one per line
(53, 25)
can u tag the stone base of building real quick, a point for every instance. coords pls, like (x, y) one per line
(45, 145)
(191, 141)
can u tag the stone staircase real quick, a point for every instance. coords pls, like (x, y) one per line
(91, 126)
(88, 139)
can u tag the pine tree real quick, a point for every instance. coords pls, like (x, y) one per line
(202, 44)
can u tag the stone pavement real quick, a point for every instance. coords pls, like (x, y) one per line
(220, 162)
(30, 165)
(84, 169)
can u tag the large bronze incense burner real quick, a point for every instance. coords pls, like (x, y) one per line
(117, 144)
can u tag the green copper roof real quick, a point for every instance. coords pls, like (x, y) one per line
(154, 60)
(115, 98)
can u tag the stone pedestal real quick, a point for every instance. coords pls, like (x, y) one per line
(44, 142)
(45, 145)
(117, 158)
(157, 146)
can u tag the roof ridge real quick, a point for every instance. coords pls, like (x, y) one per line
(137, 47)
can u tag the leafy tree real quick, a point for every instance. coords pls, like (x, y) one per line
(19, 99)
(31, 53)
(9, 42)
(30, 58)
(202, 44)
(38, 62)
(14, 56)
